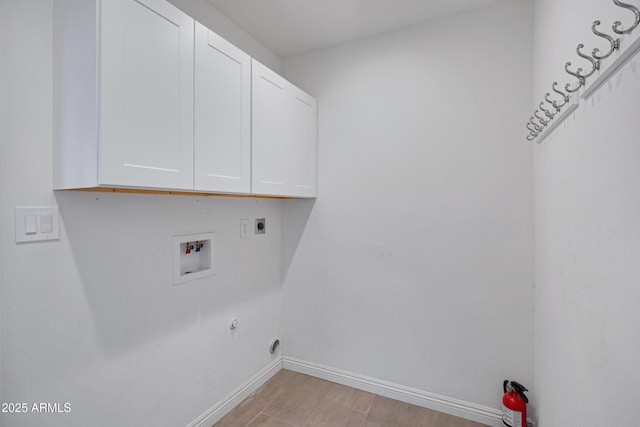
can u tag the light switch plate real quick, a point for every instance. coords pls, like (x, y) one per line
(46, 223)
(44, 220)
(244, 228)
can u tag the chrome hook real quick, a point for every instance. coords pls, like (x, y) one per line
(615, 43)
(553, 103)
(547, 112)
(577, 75)
(565, 97)
(617, 24)
(582, 78)
(531, 137)
(542, 121)
(535, 125)
(594, 63)
(533, 131)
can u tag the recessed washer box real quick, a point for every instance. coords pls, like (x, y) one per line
(193, 257)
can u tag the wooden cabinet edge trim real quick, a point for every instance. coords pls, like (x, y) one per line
(174, 193)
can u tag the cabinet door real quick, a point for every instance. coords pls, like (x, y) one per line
(222, 115)
(302, 144)
(269, 132)
(146, 117)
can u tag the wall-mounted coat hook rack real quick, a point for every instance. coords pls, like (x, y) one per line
(541, 125)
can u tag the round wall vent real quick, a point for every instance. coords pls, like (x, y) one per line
(274, 346)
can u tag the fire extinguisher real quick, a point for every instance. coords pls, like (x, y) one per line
(514, 404)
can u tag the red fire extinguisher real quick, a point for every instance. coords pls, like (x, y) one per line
(514, 404)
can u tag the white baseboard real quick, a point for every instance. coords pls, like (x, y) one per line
(458, 408)
(222, 408)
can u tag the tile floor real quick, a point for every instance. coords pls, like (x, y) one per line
(290, 399)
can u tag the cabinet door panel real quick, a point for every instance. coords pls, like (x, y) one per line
(147, 95)
(222, 115)
(163, 8)
(269, 135)
(303, 158)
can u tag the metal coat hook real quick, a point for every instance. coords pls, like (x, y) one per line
(582, 78)
(595, 64)
(533, 131)
(615, 43)
(546, 112)
(535, 125)
(617, 24)
(552, 102)
(565, 97)
(549, 101)
(542, 121)
(531, 137)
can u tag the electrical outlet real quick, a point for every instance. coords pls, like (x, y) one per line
(261, 226)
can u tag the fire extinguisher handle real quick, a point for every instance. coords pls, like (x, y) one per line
(516, 384)
(504, 385)
(520, 389)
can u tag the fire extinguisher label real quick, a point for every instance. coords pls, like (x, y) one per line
(511, 418)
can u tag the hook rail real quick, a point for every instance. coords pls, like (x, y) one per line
(545, 120)
(620, 62)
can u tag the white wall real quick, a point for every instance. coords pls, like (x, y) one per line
(206, 14)
(94, 319)
(2, 310)
(587, 239)
(415, 265)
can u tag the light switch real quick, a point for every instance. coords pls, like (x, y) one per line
(30, 226)
(35, 224)
(244, 228)
(46, 223)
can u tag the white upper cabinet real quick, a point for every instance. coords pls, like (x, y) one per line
(124, 94)
(222, 115)
(283, 136)
(146, 98)
(302, 147)
(269, 133)
(146, 95)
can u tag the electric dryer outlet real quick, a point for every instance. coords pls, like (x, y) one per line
(261, 226)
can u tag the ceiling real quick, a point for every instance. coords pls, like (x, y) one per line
(289, 27)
